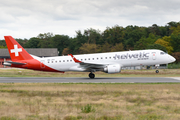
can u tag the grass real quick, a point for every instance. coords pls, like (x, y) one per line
(87, 109)
(80, 101)
(124, 73)
(66, 101)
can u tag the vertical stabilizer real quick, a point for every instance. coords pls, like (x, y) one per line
(16, 51)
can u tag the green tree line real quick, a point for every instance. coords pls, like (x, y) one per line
(116, 38)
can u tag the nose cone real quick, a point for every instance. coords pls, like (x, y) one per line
(172, 58)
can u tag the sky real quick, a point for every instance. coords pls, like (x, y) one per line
(28, 18)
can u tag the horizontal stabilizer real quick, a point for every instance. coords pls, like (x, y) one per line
(9, 63)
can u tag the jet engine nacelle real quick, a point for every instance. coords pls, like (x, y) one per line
(116, 68)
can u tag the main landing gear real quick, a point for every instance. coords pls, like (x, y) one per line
(91, 75)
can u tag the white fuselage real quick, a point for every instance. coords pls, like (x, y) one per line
(124, 59)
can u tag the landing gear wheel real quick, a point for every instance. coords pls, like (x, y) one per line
(157, 71)
(91, 75)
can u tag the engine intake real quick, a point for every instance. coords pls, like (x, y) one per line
(116, 68)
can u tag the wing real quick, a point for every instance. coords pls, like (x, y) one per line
(89, 66)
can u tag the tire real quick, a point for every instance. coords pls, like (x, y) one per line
(157, 71)
(91, 75)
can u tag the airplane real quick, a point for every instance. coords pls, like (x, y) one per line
(111, 62)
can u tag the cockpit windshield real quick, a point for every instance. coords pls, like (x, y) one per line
(162, 53)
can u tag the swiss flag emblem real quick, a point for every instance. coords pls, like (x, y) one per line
(16, 50)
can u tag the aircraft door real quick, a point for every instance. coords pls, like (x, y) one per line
(154, 55)
(42, 64)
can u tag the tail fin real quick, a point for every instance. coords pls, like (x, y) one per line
(16, 51)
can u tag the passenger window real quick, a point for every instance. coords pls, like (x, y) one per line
(89, 59)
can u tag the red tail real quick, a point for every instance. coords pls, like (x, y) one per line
(16, 51)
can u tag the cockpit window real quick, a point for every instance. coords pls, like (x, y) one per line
(162, 53)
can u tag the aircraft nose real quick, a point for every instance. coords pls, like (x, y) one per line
(172, 58)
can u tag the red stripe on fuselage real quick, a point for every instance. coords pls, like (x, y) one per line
(34, 65)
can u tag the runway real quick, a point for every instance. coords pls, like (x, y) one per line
(88, 80)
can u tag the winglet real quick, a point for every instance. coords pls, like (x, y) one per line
(75, 60)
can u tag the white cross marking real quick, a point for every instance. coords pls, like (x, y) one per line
(16, 50)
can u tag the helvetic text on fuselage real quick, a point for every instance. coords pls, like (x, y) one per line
(139, 56)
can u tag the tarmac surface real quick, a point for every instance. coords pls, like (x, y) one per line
(88, 80)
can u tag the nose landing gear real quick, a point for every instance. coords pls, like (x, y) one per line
(156, 66)
(91, 75)
(157, 71)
